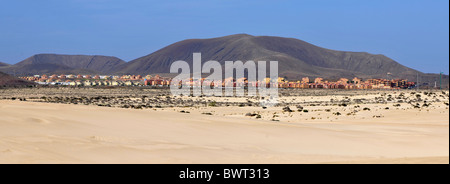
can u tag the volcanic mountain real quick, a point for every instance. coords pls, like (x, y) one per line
(3, 64)
(296, 58)
(64, 64)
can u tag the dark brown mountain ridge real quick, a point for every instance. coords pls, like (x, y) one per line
(296, 58)
(3, 64)
(60, 64)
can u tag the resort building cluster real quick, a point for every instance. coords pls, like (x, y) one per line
(344, 83)
(99, 80)
(156, 80)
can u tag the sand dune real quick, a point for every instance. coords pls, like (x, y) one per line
(32, 132)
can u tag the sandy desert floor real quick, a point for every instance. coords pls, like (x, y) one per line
(36, 132)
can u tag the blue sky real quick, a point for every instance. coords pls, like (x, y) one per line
(413, 32)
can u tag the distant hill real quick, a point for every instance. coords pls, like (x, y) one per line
(59, 64)
(3, 64)
(296, 58)
(10, 81)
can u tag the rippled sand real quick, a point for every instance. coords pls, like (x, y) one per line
(36, 132)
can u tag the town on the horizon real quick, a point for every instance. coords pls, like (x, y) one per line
(157, 80)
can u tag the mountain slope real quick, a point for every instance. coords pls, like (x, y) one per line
(53, 63)
(3, 64)
(10, 81)
(296, 58)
